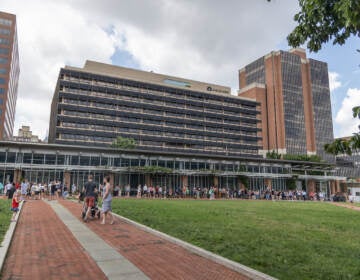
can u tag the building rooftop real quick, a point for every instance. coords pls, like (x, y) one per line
(149, 77)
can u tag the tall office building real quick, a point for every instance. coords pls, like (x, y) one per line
(95, 104)
(295, 102)
(9, 73)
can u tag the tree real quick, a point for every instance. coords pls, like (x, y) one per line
(320, 21)
(273, 155)
(345, 146)
(123, 143)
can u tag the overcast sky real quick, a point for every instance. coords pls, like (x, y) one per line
(206, 40)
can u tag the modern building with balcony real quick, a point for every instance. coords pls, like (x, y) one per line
(95, 104)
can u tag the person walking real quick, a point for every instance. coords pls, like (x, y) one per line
(107, 199)
(15, 204)
(90, 188)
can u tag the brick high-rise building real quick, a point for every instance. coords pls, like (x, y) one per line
(9, 73)
(295, 102)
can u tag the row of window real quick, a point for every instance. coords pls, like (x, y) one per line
(190, 96)
(150, 101)
(152, 112)
(4, 41)
(4, 51)
(4, 31)
(116, 161)
(3, 60)
(4, 21)
(180, 135)
(159, 123)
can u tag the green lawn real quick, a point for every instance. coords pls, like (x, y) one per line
(5, 215)
(287, 240)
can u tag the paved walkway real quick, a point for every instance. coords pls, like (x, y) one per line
(44, 248)
(156, 257)
(48, 247)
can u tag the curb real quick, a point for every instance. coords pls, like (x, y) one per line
(242, 269)
(8, 238)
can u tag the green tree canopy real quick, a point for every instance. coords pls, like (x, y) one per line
(320, 21)
(123, 143)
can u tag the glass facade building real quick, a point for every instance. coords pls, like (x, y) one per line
(95, 104)
(322, 107)
(9, 73)
(295, 102)
(38, 162)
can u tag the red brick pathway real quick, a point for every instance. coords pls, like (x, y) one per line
(44, 248)
(156, 257)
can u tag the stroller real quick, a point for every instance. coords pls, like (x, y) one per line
(95, 211)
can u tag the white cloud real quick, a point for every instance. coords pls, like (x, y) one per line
(51, 35)
(201, 40)
(334, 81)
(346, 123)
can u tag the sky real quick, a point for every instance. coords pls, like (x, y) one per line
(205, 40)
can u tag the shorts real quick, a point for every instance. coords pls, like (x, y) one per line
(90, 201)
(14, 209)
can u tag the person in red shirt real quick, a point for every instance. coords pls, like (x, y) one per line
(15, 204)
(17, 185)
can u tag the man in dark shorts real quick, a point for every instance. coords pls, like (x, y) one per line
(90, 189)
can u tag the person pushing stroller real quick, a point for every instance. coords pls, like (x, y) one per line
(90, 190)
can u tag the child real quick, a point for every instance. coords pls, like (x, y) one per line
(15, 204)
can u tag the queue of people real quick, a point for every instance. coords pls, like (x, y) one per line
(30, 190)
(214, 192)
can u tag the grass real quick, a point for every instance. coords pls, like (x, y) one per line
(287, 240)
(5, 216)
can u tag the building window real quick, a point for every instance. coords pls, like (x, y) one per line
(4, 21)
(2, 90)
(4, 51)
(0, 112)
(4, 41)
(177, 83)
(3, 71)
(3, 60)
(2, 81)
(4, 31)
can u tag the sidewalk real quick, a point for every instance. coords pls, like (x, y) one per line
(156, 257)
(52, 242)
(44, 248)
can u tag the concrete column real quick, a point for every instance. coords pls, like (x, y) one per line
(337, 186)
(17, 175)
(148, 180)
(216, 181)
(112, 181)
(310, 186)
(184, 181)
(332, 187)
(67, 179)
(268, 183)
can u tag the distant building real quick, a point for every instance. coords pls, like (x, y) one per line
(95, 104)
(295, 102)
(25, 135)
(348, 166)
(9, 73)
